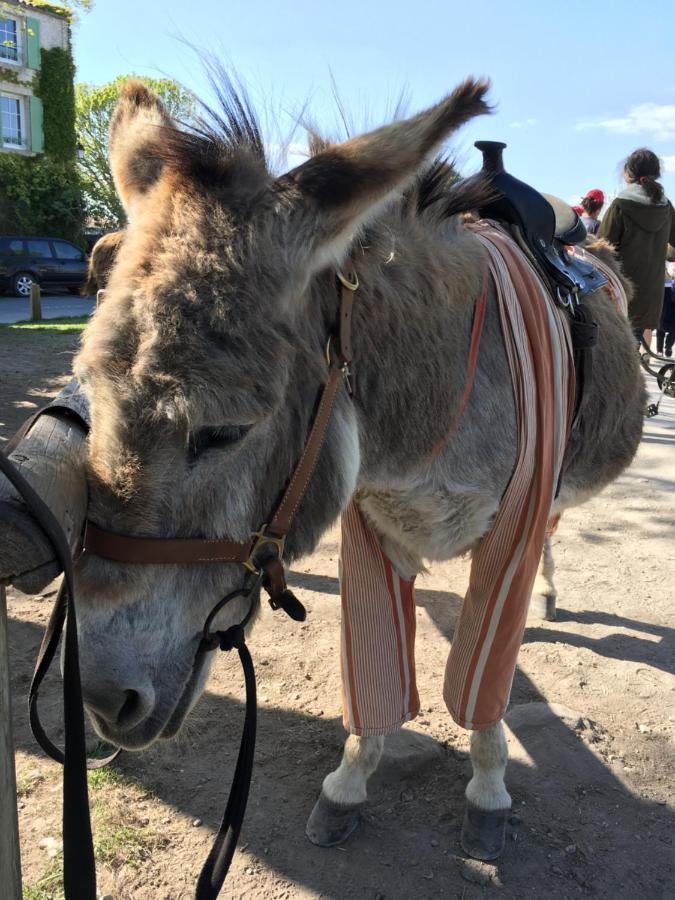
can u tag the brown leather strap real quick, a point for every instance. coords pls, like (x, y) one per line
(130, 548)
(285, 512)
(339, 370)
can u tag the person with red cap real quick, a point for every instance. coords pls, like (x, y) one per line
(592, 204)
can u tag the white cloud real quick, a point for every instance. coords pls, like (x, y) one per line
(657, 119)
(669, 163)
(523, 124)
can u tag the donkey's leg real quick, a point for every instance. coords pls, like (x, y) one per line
(544, 594)
(378, 671)
(487, 800)
(337, 811)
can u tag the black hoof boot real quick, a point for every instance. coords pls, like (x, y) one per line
(331, 823)
(484, 831)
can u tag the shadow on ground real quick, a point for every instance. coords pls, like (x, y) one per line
(564, 796)
(659, 653)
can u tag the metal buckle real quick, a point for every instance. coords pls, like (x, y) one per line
(345, 282)
(262, 539)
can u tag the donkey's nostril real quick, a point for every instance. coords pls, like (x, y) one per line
(121, 708)
(130, 709)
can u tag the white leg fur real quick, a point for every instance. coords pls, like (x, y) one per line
(347, 784)
(544, 594)
(489, 755)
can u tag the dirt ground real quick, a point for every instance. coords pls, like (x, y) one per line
(591, 727)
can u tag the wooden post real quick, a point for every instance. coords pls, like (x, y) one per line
(35, 303)
(10, 858)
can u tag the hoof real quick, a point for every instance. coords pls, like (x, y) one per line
(484, 832)
(331, 823)
(542, 606)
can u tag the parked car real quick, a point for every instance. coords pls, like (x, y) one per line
(51, 262)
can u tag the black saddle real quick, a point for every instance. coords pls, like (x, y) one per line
(543, 226)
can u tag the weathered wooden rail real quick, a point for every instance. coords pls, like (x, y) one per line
(51, 457)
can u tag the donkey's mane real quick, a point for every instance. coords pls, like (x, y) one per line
(220, 134)
(227, 132)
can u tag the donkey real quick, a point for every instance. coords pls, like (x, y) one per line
(203, 364)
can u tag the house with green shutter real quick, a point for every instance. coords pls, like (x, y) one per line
(26, 31)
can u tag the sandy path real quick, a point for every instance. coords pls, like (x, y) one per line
(591, 730)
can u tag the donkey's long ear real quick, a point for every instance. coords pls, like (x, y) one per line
(327, 198)
(133, 141)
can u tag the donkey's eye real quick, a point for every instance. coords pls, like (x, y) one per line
(215, 438)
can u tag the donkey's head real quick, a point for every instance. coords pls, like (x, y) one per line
(202, 368)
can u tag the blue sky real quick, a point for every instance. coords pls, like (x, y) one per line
(577, 85)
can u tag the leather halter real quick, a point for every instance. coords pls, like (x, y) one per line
(253, 554)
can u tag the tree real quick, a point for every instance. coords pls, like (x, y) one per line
(94, 105)
(40, 195)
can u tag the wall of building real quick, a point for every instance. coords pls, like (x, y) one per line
(17, 79)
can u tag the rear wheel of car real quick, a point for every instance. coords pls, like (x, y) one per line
(22, 283)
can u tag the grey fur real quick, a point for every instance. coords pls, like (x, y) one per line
(217, 313)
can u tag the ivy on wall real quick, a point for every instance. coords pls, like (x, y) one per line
(54, 86)
(43, 194)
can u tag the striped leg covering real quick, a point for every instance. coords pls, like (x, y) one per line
(482, 661)
(379, 692)
(378, 605)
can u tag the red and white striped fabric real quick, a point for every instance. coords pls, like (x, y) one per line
(378, 605)
(379, 692)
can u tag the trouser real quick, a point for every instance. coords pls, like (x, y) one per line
(379, 685)
(378, 602)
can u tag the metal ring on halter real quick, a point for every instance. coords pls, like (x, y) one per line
(346, 282)
(210, 638)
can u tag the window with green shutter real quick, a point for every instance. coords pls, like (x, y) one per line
(10, 31)
(12, 121)
(33, 43)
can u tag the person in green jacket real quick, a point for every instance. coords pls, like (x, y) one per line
(641, 223)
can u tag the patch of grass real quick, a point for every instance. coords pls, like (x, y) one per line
(50, 886)
(26, 786)
(64, 324)
(124, 845)
(122, 837)
(104, 778)
(23, 787)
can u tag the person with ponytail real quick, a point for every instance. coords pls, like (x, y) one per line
(641, 223)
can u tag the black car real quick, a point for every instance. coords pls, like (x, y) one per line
(51, 262)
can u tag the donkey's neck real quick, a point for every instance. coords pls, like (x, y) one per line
(412, 324)
(411, 330)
